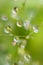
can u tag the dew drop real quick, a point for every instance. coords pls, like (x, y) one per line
(22, 46)
(26, 24)
(35, 30)
(4, 18)
(19, 24)
(14, 12)
(27, 37)
(26, 58)
(7, 29)
(15, 41)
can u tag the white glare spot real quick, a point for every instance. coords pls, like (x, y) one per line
(6, 31)
(35, 30)
(4, 18)
(19, 24)
(27, 24)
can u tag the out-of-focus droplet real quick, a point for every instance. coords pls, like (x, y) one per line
(35, 30)
(20, 63)
(19, 24)
(13, 43)
(27, 37)
(22, 46)
(14, 14)
(4, 18)
(26, 24)
(26, 58)
(21, 51)
(8, 29)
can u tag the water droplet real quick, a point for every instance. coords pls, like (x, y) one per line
(26, 58)
(35, 30)
(15, 40)
(27, 24)
(14, 13)
(27, 37)
(19, 24)
(4, 18)
(7, 29)
(22, 46)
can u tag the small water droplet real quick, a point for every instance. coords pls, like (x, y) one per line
(22, 46)
(19, 24)
(35, 30)
(4, 18)
(27, 37)
(7, 29)
(26, 24)
(26, 58)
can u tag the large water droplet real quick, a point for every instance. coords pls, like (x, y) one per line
(4, 18)
(19, 24)
(35, 30)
